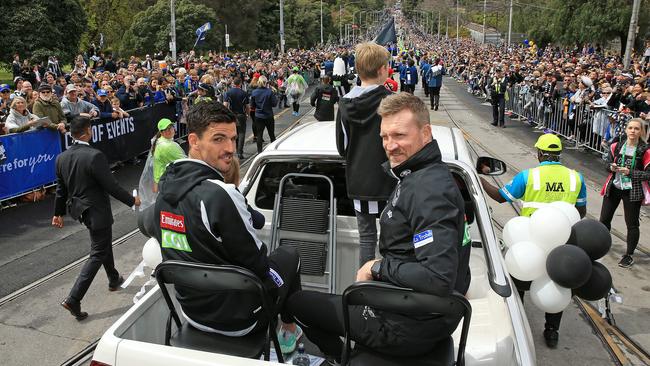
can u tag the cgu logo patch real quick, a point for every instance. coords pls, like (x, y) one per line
(172, 222)
(554, 187)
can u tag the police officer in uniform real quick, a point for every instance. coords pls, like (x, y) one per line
(498, 89)
(550, 181)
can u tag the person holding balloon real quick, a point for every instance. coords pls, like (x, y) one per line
(629, 164)
(538, 187)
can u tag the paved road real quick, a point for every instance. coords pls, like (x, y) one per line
(30, 248)
(514, 144)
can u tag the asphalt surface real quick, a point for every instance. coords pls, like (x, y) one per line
(30, 248)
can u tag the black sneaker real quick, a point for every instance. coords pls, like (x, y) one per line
(551, 337)
(626, 262)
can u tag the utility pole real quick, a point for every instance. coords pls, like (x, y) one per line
(321, 22)
(172, 43)
(340, 23)
(631, 33)
(282, 26)
(484, 17)
(457, 22)
(447, 29)
(510, 25)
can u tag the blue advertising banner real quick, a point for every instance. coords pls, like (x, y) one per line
(27, 161)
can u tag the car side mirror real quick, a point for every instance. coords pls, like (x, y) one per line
(490, 166)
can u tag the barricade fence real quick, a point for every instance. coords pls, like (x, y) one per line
(582, 124)
(27, 160)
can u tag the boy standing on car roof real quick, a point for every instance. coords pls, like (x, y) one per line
(358, 141)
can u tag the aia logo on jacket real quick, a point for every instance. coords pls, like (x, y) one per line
(172, 222)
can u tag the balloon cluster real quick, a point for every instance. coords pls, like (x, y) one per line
(557, 252)
(151, 254)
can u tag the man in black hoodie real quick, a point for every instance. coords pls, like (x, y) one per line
(324, 98)
(357, 139)
(197, 217)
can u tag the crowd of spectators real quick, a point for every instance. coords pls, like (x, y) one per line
(584, 93)
(100, 86)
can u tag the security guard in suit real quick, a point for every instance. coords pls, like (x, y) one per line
(84, 182)
(550, 181)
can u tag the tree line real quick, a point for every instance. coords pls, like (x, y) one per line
(559, 22)
(37, 29)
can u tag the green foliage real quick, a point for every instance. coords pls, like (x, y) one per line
(111, 18)
(40, 28)
(149, 32)
(582, 21)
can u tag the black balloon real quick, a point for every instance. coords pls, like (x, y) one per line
(598, 284)
(568, 266)
(592, 236)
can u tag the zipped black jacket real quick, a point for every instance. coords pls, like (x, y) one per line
(199, 218)
(422, 227)
(421, 240)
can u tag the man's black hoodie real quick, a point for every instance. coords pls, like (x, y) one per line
(199, 218)
(357, 139)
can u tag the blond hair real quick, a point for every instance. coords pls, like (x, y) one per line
(16, 100)
(398, 102)
(369, 58)
(232, 175)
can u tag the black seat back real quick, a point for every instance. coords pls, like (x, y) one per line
(210, 278)
(405, 301)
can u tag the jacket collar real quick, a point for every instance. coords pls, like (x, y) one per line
(429, 154)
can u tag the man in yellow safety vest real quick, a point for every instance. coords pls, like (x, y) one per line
(550, 181)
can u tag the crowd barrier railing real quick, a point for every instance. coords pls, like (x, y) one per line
(582, 124)
(27, 160)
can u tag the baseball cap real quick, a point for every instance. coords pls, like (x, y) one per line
(549, 142)
(70, 88)
(164, 124)
(101, 92)
(4, 87)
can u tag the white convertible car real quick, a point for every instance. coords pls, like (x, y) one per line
(326, 236)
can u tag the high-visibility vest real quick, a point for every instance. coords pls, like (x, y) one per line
(550, 183)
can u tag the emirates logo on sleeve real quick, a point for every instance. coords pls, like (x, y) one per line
(172, 222)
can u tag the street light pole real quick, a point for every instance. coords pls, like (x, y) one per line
(172, 43)
(510, 25)
(282, 26)
(321, 22)
(631, 33)
(484, 17)
(439, 24)
(340, 23)
(457, 22)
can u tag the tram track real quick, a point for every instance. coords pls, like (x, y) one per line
(617, 343)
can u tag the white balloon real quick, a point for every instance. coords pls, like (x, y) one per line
(548, 296)
(526, 261)
(549, 228)
(516, 230)
(568, 209)
(151, 253)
